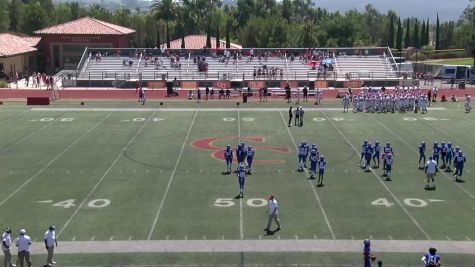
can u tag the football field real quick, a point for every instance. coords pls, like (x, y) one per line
(119, 173)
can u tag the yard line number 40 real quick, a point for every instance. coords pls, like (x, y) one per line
(95, 203)
(411, 202)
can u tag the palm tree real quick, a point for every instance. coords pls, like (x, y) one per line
(165, 9)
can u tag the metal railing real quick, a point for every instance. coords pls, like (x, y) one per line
(83, 60)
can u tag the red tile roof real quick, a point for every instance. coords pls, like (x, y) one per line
(198, 42)
(86, 26)
(11, 45)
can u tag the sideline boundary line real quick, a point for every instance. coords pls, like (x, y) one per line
(54, 159)
(65, 225)
(256, 246)
(380, 181)
(157, 214)
(311, 184)
(188, 109)
(415, 151)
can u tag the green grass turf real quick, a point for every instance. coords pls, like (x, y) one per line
(456, 61)
(82, 160)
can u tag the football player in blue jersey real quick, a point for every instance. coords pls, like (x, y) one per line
(302, 154)
(456, 152)
(313, 164)
(363, 150)
(368, 156)
(459, 162)
(422, 155)
(250, 158)
(228, 156)
(241, 174)
(448, 157)
(241, 154)
(377, 154)
(436, 152)
(443, 153)
(387, 149)
(322, 163)
(388, 159)
(431, 259)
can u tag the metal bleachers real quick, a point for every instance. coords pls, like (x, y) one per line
(110, 67)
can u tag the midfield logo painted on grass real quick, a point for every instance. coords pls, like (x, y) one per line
(208, 144)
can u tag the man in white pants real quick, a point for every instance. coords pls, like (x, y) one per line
(430, 170)
(23, 243)
(50, 242)
(273, 215)
(6, 244)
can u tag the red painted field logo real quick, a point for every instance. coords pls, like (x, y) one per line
(217, 152)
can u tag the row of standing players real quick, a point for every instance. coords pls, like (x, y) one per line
(245, 156)
(449, 155)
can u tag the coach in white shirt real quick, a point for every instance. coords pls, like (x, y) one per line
(273, 215)
(430, 170)
(23, 243)
(6, 244)
(50, 242)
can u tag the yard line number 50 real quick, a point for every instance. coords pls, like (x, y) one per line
(229, 202)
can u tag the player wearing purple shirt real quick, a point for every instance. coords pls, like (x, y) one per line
(368, 257)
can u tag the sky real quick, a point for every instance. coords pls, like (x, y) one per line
(448, 9)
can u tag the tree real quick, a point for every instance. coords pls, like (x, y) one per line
(4, 16)
(183, 46)
(63, 13)
(34, 18)
(165, 9)
(416, 37)
(423, 34)
(287, 9)
(15, 10)
(437, 34)
(391, 33)
(158, 41)
(407, 39)
(399, 36)
(427, 35)
(98, 12)
(228, 38)
(75, 10)
(208, 36)
(218, 42)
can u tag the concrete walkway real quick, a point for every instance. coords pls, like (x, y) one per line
(137, 246)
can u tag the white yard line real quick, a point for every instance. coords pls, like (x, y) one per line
(157, 214)
(54, 160)
(380, 181)
(311, 184)
(30, 135)
(190, 109)
(241, 224)
(417, 152)
(14, 116)
(104, 175)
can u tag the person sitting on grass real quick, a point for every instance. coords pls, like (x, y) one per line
(190, 94)
(453, 98)
(443, 99)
